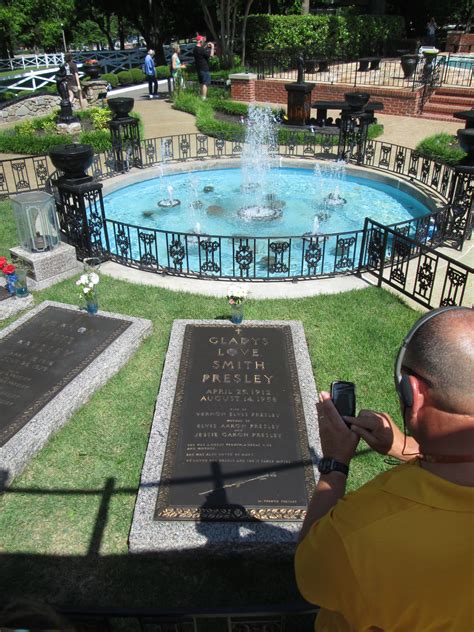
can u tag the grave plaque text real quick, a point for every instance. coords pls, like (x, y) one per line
(237, 446)
(44, 354)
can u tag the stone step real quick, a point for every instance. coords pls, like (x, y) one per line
(467, 93)
(464, 102)
(444, 108)
(439, 117)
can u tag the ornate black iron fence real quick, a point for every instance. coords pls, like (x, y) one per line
(448, 70)
(413, 268)
(284, 618)
(262, 258)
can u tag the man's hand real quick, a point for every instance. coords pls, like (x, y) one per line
(337, 440)
(383, 435)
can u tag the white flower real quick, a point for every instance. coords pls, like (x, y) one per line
(86, 290)
(237, 293)
(93, 278)
(83, 280)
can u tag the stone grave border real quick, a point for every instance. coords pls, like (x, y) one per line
(148, 535)
(18, 451)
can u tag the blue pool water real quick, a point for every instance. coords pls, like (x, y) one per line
(461, 62)
(210, 202)
(299, 193)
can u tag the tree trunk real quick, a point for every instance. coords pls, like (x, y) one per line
(248, 5)
(305, 7)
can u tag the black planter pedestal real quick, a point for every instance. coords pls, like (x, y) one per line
(409, 64)
(92, 71)
(79, 202)
(126, 143)
(299, 102)
(66, 115)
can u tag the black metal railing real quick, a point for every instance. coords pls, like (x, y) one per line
(256, 258)
(413, 268)
(449, 70)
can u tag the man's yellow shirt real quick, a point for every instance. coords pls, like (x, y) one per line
(396, 555)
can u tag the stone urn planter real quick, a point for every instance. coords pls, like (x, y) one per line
(73, 160)
(357, 100)
(409, 63)
(92, 70)
(466, 140)
(121, 106)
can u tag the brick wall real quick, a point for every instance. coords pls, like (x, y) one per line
(396, 101)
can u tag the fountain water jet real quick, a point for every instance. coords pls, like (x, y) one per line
(257, 157)
(170, 202)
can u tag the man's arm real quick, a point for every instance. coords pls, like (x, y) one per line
(338, 442)
(383, 435)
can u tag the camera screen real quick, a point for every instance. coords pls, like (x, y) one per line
(343, 396)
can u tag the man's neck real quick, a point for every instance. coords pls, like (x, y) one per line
(458, 473)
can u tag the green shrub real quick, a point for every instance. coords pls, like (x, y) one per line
(443, 147)
(138, 76)
(328, 35)
(100, 118)
(162, 72)
(124, 77)
(99, 139)
(110, 78)
(7, 96)
(31, 143)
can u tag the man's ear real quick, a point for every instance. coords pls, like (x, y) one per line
(421, 395)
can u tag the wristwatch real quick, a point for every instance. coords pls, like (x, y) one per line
(327, 465)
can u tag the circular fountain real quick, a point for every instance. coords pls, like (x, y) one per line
(232, 219)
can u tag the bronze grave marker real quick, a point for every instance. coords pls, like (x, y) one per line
(237, 446)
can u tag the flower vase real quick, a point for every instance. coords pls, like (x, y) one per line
(237, 313)
(21, 285)
(92, 307)
(92, 303)
(10, 283)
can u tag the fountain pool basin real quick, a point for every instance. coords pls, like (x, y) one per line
(211, 203)
(205, 234)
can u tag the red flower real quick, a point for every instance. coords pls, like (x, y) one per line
(3, 262)
(8, 269)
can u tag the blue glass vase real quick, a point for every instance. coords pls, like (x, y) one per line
(92, 307)
(237, 313)
(10, 283)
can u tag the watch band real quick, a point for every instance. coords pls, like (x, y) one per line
(327, 465)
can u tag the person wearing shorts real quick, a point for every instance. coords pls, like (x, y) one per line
(202, 53)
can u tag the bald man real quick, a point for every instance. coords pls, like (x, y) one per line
(398, 554)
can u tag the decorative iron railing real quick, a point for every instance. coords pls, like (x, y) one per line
(243, 257)
(413, 268)
(448, 70)
(284, 618)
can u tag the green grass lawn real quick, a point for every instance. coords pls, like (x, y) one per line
(57, 544)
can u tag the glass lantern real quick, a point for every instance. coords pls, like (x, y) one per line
(36, 221)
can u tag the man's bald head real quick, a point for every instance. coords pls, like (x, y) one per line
(442, 350)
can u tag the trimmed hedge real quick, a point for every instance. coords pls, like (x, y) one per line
(138, 76)
(111, 78)
(124, 77)
(37, 136)
(443, 147)
(326, 35)
(206, 122)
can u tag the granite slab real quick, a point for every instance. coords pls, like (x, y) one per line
(22, 446)
(149, 533)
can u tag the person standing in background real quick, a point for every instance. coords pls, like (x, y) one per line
(202, 54)
(149, 70)
(431, 32)
(176, 68)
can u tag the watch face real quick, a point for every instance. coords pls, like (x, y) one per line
(327, 465)
(324, 466)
